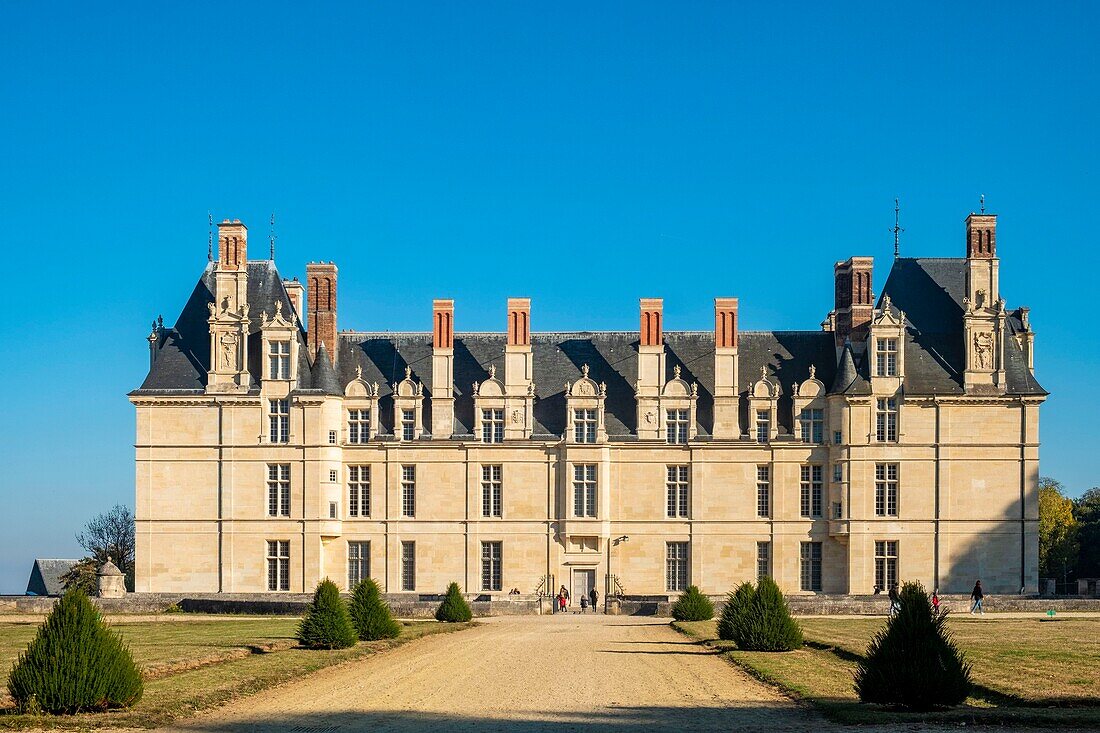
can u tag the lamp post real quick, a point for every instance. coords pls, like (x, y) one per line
(607, 593)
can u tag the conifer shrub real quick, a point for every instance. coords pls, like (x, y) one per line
(912, 661)
(454, 608)
(758, 619)
(692, 606)
(327, 623)
(75, 663)
(369, 613)
(738, 603)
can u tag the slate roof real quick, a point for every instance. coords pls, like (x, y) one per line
(929, 291)
(45, 579)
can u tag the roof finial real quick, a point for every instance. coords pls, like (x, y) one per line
(897, 229)
(209, 237)
(981, 200)
(271, 237)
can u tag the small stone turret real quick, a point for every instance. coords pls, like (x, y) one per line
(112, 583)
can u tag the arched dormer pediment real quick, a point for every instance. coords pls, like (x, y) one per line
(359, 387)
(408, 399)
(677, 388)
(888, 315)
(812, 387)
(491, 387)
(765, 388)
(763, 403)
(408, 387)
(584, 407)
(585, 387)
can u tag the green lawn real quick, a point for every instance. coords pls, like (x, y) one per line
(1026, 671)
(197, 663)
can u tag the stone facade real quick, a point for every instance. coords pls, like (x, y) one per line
(898, 442)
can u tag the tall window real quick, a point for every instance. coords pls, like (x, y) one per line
(358, 562)
(584, 490)
(408, 565)
(278, 489)
(677, 422)
(763, 491)
(358, 491)
(492, 425)
(408, 491)
(491, 490)
(278, 413)
(813, 425)
(886, 364)
(584, 425)
(358, 426)
(811, 566)
(763, 559)
(408, 425)
(763, 426)
(490, 566)
(886, 421)
(886, 489)
(886, 563)
(676, 566)
(811, 486)
(677, 491)
(278, 565)
(278, 360)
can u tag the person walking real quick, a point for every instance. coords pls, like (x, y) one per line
(976, 596)
(936, 600)
(594, 597)
(895, 600)
(584, 603)
(564, 599)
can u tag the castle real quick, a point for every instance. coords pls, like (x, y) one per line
(897, 441)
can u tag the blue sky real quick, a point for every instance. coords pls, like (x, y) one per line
(584, 154)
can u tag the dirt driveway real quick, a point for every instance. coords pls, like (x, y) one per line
(526, 674)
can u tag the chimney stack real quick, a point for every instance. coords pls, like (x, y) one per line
(854, 303)
(651, 368)
(443, 357)
(321, 307)
(519, 371)
(232, 245)
(297, 294)
(726, 393)
(982, 265)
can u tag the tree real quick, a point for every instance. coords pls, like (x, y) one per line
(454, 607)
(327, 623)
(75, 663)
(912, 660)
(738, 604)
(692, 605)
(758, 619)
(1058, 531)
(370, 614)
(83, 576)
(1087, 511)
(111, 534)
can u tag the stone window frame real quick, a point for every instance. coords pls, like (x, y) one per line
(278, 490)
(811, 487)
(279, 329)
(677, 565)
(585, 394)
(889, 550)
(278, 559)
(359, 503)
(677, 394)
(763, 491)
(586, 486)
(809, 395)
(408, 394)
(677, 491)
(363, 551)
(408, 490)
(408, 566)
(361, 395)
(885, 483)
(810, 568)
(492, 491)
(763, 396)
(492, 567)
(883, 415)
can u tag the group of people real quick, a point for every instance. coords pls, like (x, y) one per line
(977, 596)
(561, 603)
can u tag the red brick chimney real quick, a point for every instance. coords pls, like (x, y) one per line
(321, 307)
(519, 321)
(725, 323)
(981, 236)
(651, 332)
(443, 324)
(232, 245)
(853, 301)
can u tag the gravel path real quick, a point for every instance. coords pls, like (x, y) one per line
(528, 675)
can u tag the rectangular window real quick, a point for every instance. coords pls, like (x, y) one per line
(813, 426)
(278, 360)
(491, 491)
(279, 419)
(838, 437)
(490, 566)
(886, 421)
(584, 425)
(677, 491)
(358, 426)
(886, 363)
(332, 476)
(811, 566)
(408, 425)
(358, 491)
(677, 423)
(676, 566)
(492, 425)
(811, 485)
(333, 510)
(763, 491)
(763, 559)
(408, 491)
(332, 437)
(886, 489)
(584, 490)
(886, 563)
(763, 426)
(408, 565)
(278, 565)
(358, 562)
(278, 489)
(838, 473)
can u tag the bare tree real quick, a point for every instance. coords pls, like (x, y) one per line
(111, 534)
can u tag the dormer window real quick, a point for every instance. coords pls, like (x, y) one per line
(812, 422)
(358, 426)
(408, 400)
(279, 360)
(280, 346)
(677, 404)
(584, 425)
(886, 363)
(408, 424)
(584, 404)
(763, 425)
(361, 400)
(492, 425)
(677, 423)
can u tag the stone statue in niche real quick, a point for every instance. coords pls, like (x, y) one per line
(983, 349)
(228, 343)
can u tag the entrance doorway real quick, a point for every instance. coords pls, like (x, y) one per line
(584, 580)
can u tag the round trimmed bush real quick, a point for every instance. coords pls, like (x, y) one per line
(369, 613)
(454, 608)
(692, 606)
(912, 661)
(327, 624)
(75, 663)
